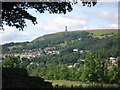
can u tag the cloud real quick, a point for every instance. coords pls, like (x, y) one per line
(97, 19)
(58, 23)
(6, 35)
(114, 26)
(12, 35)
(109, 0)
(105, 16)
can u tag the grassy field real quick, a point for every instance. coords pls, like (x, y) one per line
(16, 46)
(98, 33)
(77, 84)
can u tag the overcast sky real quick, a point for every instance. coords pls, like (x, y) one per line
(103, 16)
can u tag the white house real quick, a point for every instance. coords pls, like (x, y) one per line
(75, 64)
(31, 63)
(81, 51)
(112, 60)
(79, 38)
(75, 50)
(70, 66)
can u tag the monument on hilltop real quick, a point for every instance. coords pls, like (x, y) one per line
(66, 28)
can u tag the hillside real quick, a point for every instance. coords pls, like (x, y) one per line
(59, 39)
(66, 47)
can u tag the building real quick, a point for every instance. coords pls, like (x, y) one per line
(70, 66)
(75, 50)
(81, 51)
(112, 60)
(75, 64)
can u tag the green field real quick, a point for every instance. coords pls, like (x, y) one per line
(78, 84)
(100, 33)
(103, 33)
(16, 46)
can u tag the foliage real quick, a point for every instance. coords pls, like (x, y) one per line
(11, 62)
(114, 76)
(25, 62)
(16, 12)
(94, 69)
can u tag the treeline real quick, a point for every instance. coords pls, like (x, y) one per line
(96, 68)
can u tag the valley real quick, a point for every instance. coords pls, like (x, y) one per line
(85, 56)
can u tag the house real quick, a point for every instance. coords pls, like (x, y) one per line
(79, 38)
(83, 60)
(1, 61)
(48, 48)
(112, 60)
(1, 56)
(53, 52)
(75, 50)
(31, 63)
(49, 52)
(84, 51)
(81, 51)
(70, 66)
(75, 64)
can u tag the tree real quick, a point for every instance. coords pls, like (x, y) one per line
(25, 62)
(64, 73)
(88, 71)
(95, 68)
(11, 62)
(15, 13)
(114, 73)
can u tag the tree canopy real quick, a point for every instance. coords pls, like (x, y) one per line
(15, 13)
(11, 62)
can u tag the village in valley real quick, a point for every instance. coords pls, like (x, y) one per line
(49, 50)
(33, 53)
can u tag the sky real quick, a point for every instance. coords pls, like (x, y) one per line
(103, 16)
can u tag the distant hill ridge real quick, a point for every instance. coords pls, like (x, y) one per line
(98, 30)
(55, 39)
(81, 31)
(94, 31)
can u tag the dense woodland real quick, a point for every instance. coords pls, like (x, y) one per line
(91, 66)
